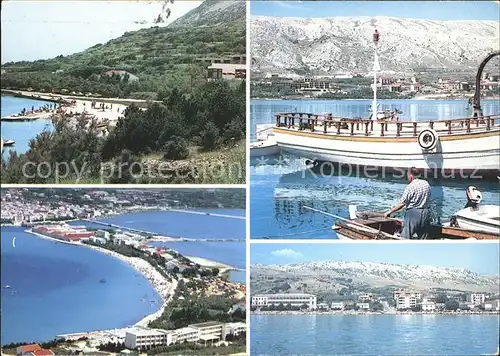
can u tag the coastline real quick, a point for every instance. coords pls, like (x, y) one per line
(418, 97)
(55, 97)
(357, 313)
(163, 288)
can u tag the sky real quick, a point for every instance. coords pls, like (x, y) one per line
(431, 10)
(34, 30)
(482, 258)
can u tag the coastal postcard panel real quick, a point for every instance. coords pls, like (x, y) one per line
(123, 92)
(100, 271)
(347, 100)
(374, 299)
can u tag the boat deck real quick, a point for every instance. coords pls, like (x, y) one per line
(328, 125)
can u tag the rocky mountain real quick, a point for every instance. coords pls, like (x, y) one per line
(159, 56)
(344, 44)
(315, 277)
(213, 12)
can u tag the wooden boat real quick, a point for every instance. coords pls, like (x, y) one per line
(467, 146)
(381, 228)
(374, 226)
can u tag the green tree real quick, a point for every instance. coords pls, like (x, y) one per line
(451, 304)
(176, 148)
(210, 136)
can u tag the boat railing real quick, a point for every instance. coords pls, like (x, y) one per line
(357, 126)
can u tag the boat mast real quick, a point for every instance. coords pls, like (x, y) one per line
(376, 67)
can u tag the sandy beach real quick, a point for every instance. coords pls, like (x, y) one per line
(209, 263)
(104, 110)
(164, 288)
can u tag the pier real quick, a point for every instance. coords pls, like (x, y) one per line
(210, 214)
(159, 238)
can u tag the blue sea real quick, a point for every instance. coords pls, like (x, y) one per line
(21, 132)
(279, 189)
(55, 287)
(374, 335)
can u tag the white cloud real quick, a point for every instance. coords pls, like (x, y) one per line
(293, 5)
(286, 252)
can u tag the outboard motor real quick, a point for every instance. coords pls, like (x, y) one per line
(474, 197)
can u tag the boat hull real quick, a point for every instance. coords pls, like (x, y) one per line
(467, 153)
(262, 149)
(484, 218)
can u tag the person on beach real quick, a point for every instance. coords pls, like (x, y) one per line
(416, 200)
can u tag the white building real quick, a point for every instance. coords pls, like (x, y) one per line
(428, 306)
(296, 300)
(98, 240)
(142, 337)
(102, 233)
(364, 306)
(322, 306)
(337, 305)
(366, 297)
(397, 292)
(210, 331)
(183, 335)
(235, 328)
(476, 298)
(406, 299)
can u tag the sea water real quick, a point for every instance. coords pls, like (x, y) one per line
(195, 226)
(56, 288)
(23, 131)
(374, 334)
(280, 188)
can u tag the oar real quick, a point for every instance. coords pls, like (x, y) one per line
(343, 219)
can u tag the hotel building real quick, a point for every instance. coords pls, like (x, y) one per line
(141, 337)
(296, 300)
(407, 300)
(187, 334)
(210, 331)
(476, 298)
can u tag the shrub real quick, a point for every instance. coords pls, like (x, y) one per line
(210, 136)
(176, 148)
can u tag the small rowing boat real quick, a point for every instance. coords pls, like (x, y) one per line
(473, 222)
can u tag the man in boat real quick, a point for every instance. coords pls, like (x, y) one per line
(416, 200)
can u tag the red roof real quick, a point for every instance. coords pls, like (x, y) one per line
(30, 348)
(43, 352)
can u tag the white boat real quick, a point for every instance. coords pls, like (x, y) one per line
(483, 218)
(266, 144)
(473, 145)
(468, 146)
(264, 148)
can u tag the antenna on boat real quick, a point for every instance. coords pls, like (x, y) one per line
(376, 68)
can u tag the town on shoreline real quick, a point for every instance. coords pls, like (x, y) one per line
(182, 282)
(404, 301)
